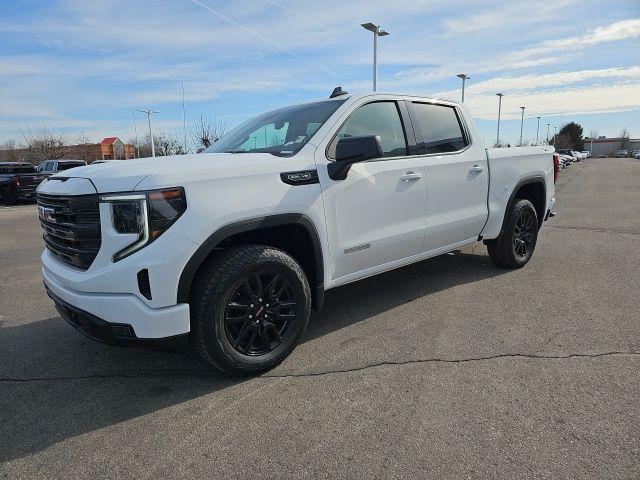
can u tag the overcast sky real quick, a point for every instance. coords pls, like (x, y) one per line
(82, 65)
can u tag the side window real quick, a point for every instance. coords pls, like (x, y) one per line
(378, 118)
(439, 127)
(48, 167)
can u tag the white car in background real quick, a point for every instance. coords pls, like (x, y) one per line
(585, 153)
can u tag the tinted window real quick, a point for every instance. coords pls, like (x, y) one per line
(280, 132)
(440, 128)
(379, 118)
(68, 165)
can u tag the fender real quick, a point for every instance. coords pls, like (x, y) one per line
(196, 260)
(520, 184)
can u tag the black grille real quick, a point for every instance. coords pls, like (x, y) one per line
(71, 227)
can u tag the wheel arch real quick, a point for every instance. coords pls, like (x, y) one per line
(532, 188)
(251, 226)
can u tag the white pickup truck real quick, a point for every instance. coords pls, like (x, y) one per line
(233, 247)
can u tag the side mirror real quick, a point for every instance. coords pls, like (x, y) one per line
(350, 150)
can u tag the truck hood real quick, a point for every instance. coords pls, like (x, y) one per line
(158, 172)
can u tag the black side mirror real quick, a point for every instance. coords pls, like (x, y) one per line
(350, 150)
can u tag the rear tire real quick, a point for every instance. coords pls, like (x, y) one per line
(10, 196)
(249, 307)
(516, 243)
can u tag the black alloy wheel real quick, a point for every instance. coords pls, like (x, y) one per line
(524, 233)
(259, 312)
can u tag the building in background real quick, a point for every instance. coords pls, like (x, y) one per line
(112, 148)
(607, 147)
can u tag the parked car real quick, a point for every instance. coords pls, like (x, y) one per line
(18, 181)
(235, 246)
(637, 154)
(567, 152)
(566, 159)
(585, 153)
(49, 167)
(622, 153)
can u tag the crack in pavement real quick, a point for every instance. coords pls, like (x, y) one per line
(209, 374)
(594, 229)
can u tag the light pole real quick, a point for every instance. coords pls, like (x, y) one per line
(521, 124)
(464, 78)
(375, 29)
(150, 112)
(548, 125)
(538, 129)
(500, 95)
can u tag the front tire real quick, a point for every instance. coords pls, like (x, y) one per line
(516, 243)
(249, 307)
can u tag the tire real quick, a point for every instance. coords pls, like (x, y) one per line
(227, 298)
(515, 245)
(10, 196)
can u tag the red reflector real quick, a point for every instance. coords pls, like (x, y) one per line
(556, 166)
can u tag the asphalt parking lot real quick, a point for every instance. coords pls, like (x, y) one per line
(449, 368)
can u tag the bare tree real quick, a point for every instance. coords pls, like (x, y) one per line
(205, 132)
(9, 151)
(45, 143)
(168, 145)
(625, 135)
(165, 144)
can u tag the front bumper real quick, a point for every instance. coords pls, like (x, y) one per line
(121, 319)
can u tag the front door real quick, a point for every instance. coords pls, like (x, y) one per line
(377, 214)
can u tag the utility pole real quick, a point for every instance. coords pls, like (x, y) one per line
(184, 120)
(375, 29)
(84, 144)
(521, 124)
(500, 95)
(538, 129)
(135, 132)
(150, 112)
(464, 77)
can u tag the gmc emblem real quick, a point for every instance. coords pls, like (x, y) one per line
(47, 214)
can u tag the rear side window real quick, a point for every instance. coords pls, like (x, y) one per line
(378, 118)
(439, 127)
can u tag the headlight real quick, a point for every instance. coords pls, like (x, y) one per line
(146, 214)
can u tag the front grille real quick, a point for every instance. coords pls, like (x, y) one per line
(71, 227)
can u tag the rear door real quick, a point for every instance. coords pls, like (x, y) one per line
(456, 174)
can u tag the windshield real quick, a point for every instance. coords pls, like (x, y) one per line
(280, 132)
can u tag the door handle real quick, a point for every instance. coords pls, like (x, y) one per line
(476, 169)
(407, 177)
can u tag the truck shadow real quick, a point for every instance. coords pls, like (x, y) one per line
(57, 385)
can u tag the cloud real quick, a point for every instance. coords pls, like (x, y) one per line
(509, 14)
(620, 96)
(537, 82)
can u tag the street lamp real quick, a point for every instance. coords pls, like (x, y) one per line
(150, 112)
(538, 129)
(375, 29)
(500, 95)
(464, 77)
(548, 125)
(521, 124)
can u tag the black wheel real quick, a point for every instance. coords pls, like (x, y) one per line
(249, 307)
(10, 196)
(516, 243)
